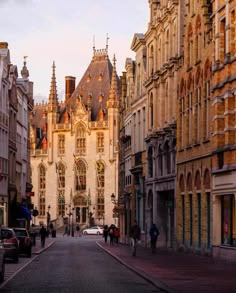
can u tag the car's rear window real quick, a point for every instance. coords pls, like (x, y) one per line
(6, 234)
(20, 233)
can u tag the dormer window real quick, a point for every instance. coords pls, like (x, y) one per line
(88, 77)
(100, 76)
(100, 97)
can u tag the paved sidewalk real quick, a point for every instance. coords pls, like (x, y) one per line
(37, 249)
(176, 271)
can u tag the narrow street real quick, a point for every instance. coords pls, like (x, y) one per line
(75, 265)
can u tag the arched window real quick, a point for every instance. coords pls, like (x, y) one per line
(151, 64)
(198, 38)
(207, 179)
(80, 176)
(160, 161)
(151, 112)
(190, 46)
(167, 50)
(181, 183)
(81, 140)
(61, 188)
(42, 189)
(197, 180)
(189, 183)
(100, 173)
(167, 158)
(150, 162)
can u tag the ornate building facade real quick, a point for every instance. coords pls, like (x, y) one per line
(74, 148)
(223, 128)
(163, 44)
(194, 160)
(16, 101)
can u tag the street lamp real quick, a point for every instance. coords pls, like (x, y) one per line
(113, 199)
(72, 224)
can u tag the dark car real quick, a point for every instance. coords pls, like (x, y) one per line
(2, 262)
(25, 243)
(10, 243)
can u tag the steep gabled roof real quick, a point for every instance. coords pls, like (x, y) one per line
(94, 86)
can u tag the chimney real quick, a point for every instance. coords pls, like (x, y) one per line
(70, 86)
(3, 45)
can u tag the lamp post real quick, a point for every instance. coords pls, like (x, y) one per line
(72, 224)
(88, 205)
(48, 218)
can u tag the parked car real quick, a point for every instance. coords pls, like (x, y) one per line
(10, 243)
(95, 230)
(2, 262)
(25, 243)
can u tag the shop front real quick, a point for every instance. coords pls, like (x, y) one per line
(224, 217)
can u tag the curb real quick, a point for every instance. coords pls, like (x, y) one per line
(158, 284)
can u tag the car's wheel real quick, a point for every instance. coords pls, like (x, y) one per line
(98, 233)
(85, 232)
(2, 274)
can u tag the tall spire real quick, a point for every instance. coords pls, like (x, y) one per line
(24, 70)
(53, 89)
(114, 85)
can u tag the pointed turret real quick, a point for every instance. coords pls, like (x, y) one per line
(53, 101)
(112, 100)
(114, 86)
(24, 70)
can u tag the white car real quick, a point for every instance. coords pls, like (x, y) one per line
(95, 230)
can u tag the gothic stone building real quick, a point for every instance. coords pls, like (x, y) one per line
(74, 148)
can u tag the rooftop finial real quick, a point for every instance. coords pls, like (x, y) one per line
(94, 45)
(25, 71)
(53, 88)
(107, 42)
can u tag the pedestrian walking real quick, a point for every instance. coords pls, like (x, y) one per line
(77, 231)
(51, 228)
(105, 233)
(154, 233)
(43, 235)
(116, 235)
(111, 234)
(66, 231)
(135, 234)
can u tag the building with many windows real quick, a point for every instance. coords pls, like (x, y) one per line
(16, 101)
(163, 43)
(74, 148)
(194, 159)
(223, 128)
(4, 131)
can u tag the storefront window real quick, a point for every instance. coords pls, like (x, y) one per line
(228, 221)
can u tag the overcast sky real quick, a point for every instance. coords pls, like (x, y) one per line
(63, 31)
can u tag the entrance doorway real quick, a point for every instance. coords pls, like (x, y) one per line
(81, 216)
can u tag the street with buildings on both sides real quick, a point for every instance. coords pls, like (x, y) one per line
(156, 144)
(87, 264)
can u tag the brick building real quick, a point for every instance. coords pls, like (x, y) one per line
(223, 130)
(194, 158)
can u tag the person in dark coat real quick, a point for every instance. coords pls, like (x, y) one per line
(43, 235)
(105, 233)
(135, 235)
(111, 234)
(154, 233)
